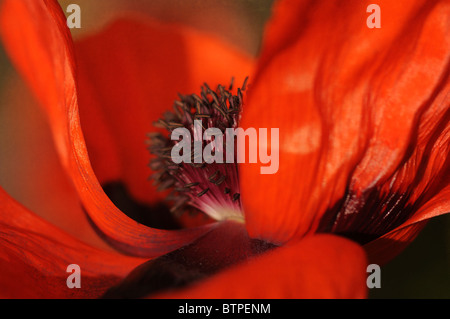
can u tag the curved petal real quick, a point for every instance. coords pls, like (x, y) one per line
(128, 75)
(319, 266)
(50, 72)
(354, 106)
(383, 249)
(34, 257)
(30, 168)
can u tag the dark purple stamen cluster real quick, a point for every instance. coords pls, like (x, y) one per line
(213, 188)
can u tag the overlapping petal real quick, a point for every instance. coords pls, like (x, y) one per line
(363, 117)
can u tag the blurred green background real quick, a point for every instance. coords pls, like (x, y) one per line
(421, 271)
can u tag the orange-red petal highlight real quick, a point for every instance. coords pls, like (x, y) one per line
(349, 102)
(30, 169)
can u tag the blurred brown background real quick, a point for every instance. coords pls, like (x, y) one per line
(27, 153)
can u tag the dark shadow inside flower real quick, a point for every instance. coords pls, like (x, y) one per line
(226, 245)
(153, 215)
(363, 219)
(342, 218)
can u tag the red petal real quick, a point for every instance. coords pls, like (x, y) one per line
(128, 75)
(385, 248)
(50, 73)
(338, 91)
(34, 256)
(388, 246)
(320, 266)
(29, 158)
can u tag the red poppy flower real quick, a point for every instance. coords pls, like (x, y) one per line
(364, 142)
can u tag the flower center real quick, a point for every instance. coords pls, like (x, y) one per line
(197, 179)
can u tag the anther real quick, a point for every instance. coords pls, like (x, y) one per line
(231, 84)
(213, 176)
(203, 192)
(220, 180)
(218, 109)
(191, 185)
